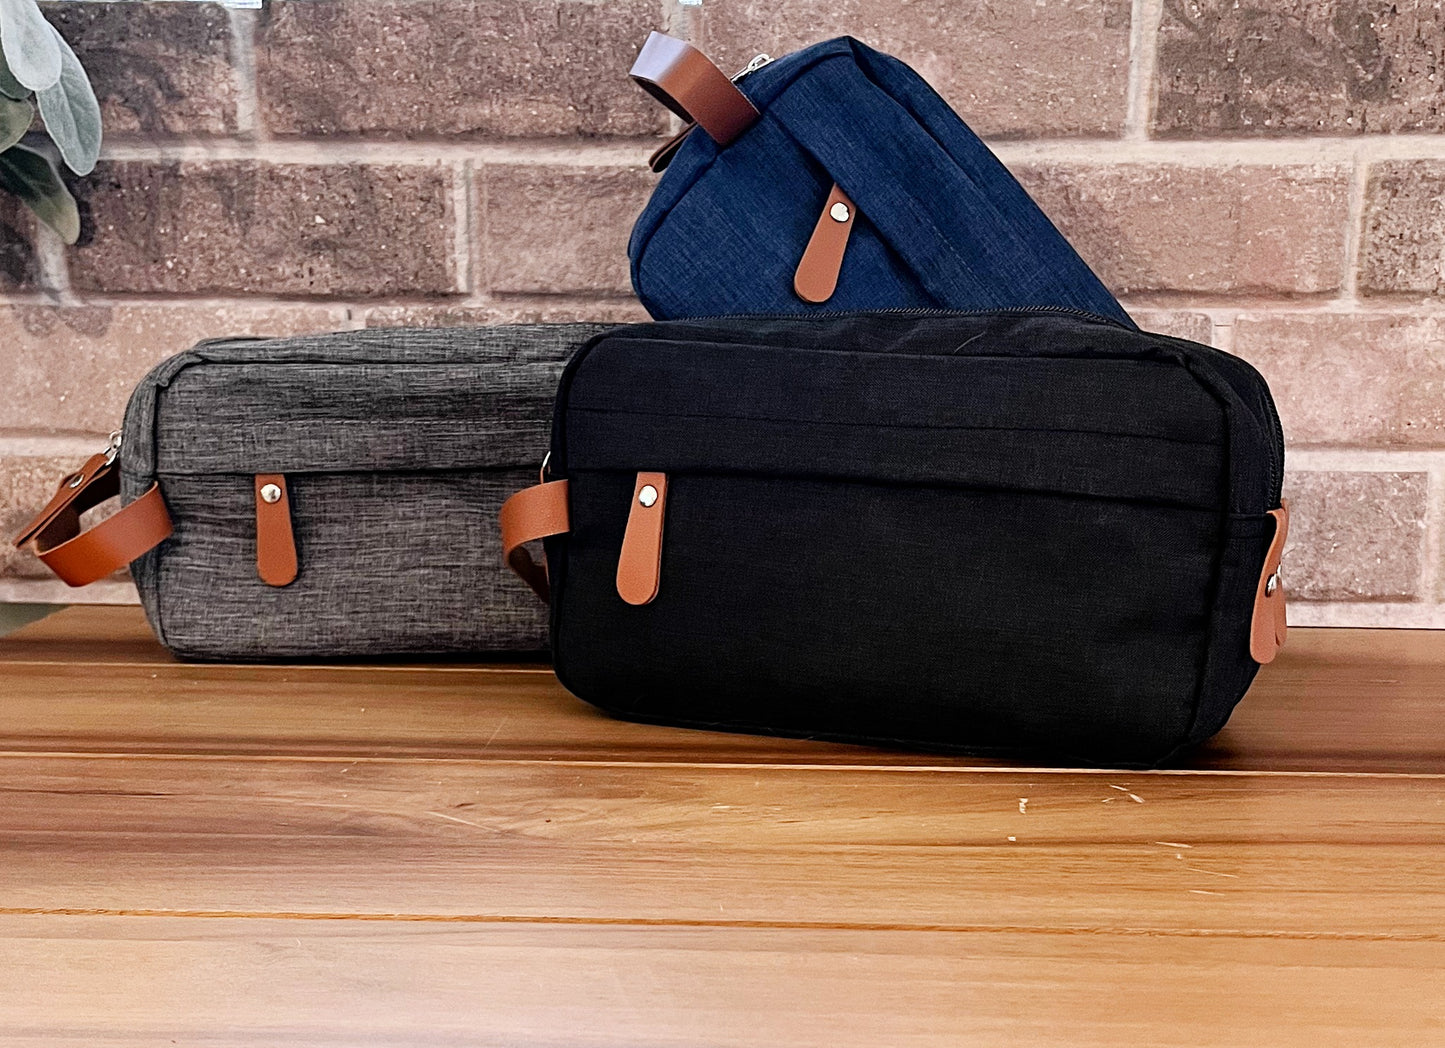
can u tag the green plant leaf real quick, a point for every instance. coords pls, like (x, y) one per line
(33, 178)
(9, 86)
(29, 44)
(15, 120)
(71, 113)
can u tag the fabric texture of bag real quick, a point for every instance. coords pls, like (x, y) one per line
(993, 533)
(844, 155)
(333, 495)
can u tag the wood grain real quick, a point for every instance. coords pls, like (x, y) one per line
(1335, 700)
(1279, 855)
(464, 854)
(149, 981)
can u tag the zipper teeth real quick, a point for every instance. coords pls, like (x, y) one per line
(754, 64)
(917, 311)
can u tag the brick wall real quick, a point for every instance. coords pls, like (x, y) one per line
(1265, 175)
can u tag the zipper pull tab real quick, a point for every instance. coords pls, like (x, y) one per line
(754, 64)
(639, 568)
(817, 273)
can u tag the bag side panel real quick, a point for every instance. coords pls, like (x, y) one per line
(138, 473)
(1230, 670)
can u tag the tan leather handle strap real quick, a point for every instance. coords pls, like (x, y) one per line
(79, 558)
(533, 513)
(680, 77)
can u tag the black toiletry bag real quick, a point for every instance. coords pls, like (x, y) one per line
(1009, 532)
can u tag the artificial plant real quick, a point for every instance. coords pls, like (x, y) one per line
(38, 69)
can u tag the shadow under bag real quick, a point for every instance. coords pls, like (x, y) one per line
(995, 532)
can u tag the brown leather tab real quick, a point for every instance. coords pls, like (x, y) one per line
(639, 568)
(533, 513)
(1270, 624)
(275, 539)
(680, 77)
(80, 558)
(817, 274)
(84, 489)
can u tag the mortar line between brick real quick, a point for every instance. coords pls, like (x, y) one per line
(1354, 231)
(1144, 21)
(320, 304)
(684, 21)
(1221, 330)
(1224, 308)
(481, 233)
(50, 445)
(1390, 615)
(633, 152)
(243, 68)
(1432, 583)
(462, 217)
(1366, 460)
(687, 22)
(1223, 311)
(54, 275)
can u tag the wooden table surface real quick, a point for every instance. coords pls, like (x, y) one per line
(464, 854)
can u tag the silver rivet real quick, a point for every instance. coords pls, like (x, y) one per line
(1271, 585)
(76, 480)
(838, 212)
(270, 493)
(648, 495)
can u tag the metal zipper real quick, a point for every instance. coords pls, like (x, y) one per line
(919, 311)
(754, 64)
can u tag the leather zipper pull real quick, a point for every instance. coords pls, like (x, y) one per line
(817, 274)
(1269, 624)
(275, 540)
(639, 568)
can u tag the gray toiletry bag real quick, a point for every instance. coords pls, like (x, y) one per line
(394, 449)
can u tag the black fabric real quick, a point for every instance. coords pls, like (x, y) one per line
(1030, 531)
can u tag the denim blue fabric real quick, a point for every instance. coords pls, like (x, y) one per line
(942, 223)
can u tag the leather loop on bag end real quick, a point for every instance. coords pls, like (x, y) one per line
(1269, 624)
(276, 561)
(680, 77)
(817, 275)
(79, 558)
(639, 566)
(533, 513)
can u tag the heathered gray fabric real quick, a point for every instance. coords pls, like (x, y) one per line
(399, 446)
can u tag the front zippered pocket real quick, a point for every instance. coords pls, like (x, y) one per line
(873, 610)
